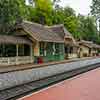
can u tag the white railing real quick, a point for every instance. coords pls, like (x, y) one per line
(15, 60)
(73, 55)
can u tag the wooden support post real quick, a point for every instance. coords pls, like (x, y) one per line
(37, 49)
(31, 53)
(17, 50)
(17, 54)
(54, 49)
(45, 51)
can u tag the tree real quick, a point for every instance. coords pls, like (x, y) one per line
(56, 3)
(95, 11)
(71, 21)
(95, 8)
(87, 28)
(68, 11)
(10, 11)
(31, 2)
(58, 16)
(67, 17)
(43, 12)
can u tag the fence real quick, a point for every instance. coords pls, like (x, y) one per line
(15, 60)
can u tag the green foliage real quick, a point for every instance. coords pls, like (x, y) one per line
(67, 17)
(95, 11)
(10, 11)
(58, 16)
(95, 8)
(87, 28)
(42, 12)
(69, 12)
(71, 24)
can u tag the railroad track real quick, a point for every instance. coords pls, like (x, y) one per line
(24, 89)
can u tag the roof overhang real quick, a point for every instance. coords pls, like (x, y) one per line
(6, 39)
(40, 38)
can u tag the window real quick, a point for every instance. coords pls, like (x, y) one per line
(42, 49)
(27, 50)
(57, 48)
(49, 48)
(21, 50)
(7, 50)
(10, 50)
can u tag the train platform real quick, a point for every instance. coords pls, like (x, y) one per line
(11, 68)
(82, 87)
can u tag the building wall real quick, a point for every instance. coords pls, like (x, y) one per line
(54, 52)
(84, 51)
(49, 51)
(36, 49)
(71, 52)
(94, 52)
(73, 55)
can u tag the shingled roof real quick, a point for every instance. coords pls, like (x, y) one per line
(88, 44)
(62, 32)
(40, 33)
(8, 39)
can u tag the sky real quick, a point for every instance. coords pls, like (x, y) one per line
(80, 6)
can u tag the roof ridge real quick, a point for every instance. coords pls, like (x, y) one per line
(86, 41)
(48, 29)
(29, 22)
(43, 26)
(59, 25)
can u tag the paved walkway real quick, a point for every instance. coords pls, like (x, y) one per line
(10, 68)
(83, 87)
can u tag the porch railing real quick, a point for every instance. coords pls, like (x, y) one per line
(73, 55)
(15, 60)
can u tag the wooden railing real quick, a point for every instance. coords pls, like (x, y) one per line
(15, 60)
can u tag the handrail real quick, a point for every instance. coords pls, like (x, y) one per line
(15, 60)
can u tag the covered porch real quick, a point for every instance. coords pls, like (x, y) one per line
(49, 51)
(71, 48)
(95, 50)
(15, 50)
(71, 51)
(88, 48)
